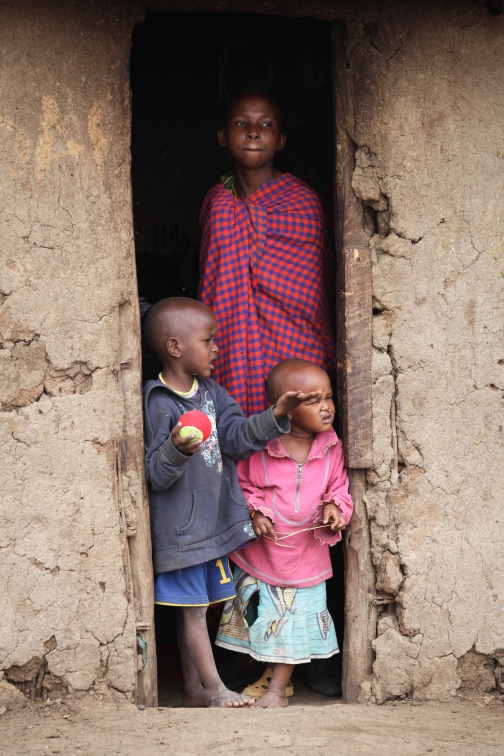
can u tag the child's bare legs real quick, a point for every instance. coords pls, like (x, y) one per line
(275, 697)
(195, 694)
(202, 684)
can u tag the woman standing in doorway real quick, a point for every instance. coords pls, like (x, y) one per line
(266, 263)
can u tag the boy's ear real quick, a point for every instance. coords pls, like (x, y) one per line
(173, 347)
(221, 137)
(282, 138)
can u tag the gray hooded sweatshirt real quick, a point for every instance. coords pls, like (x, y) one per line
(197, 509)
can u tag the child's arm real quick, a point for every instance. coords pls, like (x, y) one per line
(239, 436)
(263, 517)
(336, 506)
(167, 454)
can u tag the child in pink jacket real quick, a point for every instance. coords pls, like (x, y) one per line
(297, 494)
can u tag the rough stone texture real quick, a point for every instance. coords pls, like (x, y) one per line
(427, 101)
(476, 672)
(10, 698)
(389, 577)
(399, 669)
(67, 268)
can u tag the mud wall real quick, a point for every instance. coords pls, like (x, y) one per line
(427, 102)
(68, 304)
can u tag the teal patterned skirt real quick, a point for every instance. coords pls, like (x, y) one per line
(293, 624)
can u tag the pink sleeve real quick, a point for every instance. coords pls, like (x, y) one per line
(254, 495)
(337, 492)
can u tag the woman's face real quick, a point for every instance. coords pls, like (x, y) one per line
(252, 134)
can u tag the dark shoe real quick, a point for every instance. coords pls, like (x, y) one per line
(237, 679)
(324, 677)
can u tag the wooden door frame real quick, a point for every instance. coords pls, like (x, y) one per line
(354, 384)
(354, 349)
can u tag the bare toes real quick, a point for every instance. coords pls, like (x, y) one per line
(240, 701)
(270, 701)
(230, 699)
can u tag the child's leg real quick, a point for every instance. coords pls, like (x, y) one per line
(199, 657)
(275, 697)
(195, 694)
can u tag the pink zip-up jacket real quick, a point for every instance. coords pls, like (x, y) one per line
(293, 496)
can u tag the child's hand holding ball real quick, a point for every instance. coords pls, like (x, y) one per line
(191, 431)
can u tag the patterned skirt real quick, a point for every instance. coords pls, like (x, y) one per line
(293, 624)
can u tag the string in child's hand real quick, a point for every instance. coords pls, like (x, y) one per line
(295, 532)
(282, 536)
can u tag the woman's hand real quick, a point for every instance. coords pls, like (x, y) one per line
(263, 526)
(332, 516)
(188, 445)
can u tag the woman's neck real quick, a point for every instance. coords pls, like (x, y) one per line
(248, 180)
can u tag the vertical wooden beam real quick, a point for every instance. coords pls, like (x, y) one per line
(360, 611)
(134, 489)
(353, 362)
(354, 386)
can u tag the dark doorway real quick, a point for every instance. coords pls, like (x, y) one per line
(184, 67)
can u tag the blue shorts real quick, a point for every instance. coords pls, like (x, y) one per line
(201, 585)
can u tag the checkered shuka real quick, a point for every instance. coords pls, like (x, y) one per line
(266, 272)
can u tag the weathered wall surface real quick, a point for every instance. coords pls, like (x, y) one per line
(427, 97)
(67, 292)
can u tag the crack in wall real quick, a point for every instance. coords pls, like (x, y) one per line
(370, 186)
(28, 374)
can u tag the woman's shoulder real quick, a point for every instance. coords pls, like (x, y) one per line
(212, 193)
(224, 187)
(298, 192)
(218, 196)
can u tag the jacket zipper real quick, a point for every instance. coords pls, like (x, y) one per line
(299, 472)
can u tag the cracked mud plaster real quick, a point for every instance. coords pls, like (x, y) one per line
(67, 266)
(426, 123)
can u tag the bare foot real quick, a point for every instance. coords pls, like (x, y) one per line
(273, 699)
(225, 698)
(196, 698)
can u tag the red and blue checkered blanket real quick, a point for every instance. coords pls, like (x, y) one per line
(267, 274)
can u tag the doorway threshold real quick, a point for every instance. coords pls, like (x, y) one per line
(170, 693)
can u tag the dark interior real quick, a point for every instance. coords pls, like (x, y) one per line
(184, 68)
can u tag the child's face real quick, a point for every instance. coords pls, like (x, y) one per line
(197, 346)
(252, 134)
(318, 415)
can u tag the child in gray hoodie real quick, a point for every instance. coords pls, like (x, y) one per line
(198, 512)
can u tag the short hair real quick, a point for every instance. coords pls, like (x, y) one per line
(278, 377)
(160, 322)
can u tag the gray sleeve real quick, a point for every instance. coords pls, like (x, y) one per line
(164, 464)
(240, 437)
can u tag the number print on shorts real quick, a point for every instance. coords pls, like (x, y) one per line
(220, 566)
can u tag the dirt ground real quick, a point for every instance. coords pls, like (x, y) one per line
(92, 728)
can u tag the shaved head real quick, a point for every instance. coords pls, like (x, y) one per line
(252, 94)
(173, 317)
(293, 375)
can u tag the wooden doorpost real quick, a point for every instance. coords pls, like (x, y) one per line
(354, 387)
(135, 505)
